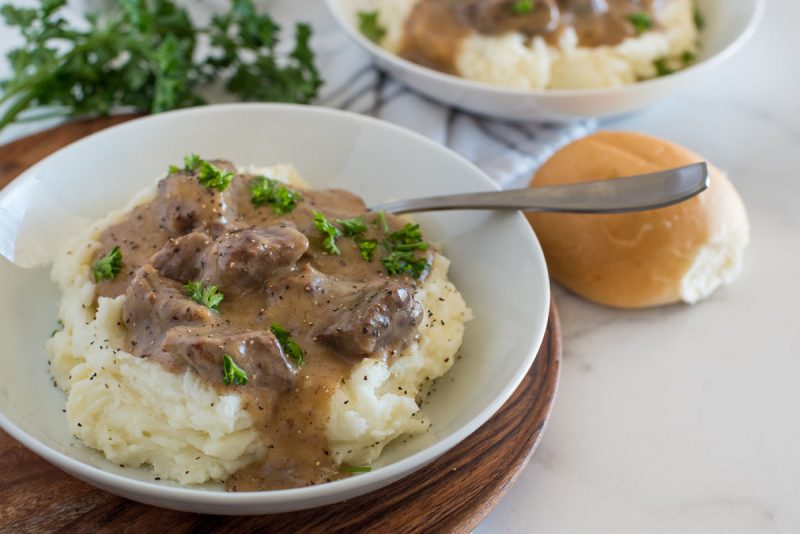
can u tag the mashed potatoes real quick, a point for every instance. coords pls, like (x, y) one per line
(515, 61)
(135, 412)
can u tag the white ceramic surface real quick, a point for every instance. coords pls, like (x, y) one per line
(729, 25)
(496, 263)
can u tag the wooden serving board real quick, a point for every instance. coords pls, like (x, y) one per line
(452, 494)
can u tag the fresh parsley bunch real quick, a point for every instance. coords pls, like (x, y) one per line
(142, 56)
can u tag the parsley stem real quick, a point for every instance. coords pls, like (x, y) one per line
(36, 117)
(15, 108)
(144, 57)
(355, 469)
(45, 73)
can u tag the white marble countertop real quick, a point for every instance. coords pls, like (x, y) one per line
(687, 419)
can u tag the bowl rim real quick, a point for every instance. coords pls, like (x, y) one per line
(337, 10)
(350, 486)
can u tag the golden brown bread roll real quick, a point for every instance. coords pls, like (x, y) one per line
(679, 253)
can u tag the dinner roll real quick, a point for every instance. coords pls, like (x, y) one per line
(679, 253)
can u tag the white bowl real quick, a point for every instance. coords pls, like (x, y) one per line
(496, 262)
(729, 25)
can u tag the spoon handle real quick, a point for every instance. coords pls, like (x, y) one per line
(632, 193)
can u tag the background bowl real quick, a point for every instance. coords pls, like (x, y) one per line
(729, 24)
(496, 263)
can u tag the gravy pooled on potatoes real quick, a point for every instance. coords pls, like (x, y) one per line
(294, 316)
(435, 28)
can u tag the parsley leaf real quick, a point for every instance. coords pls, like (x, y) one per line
(640, 21)
(398, 262)
(352, 227)
(687, 57)
(409, 237)
(247, 46)
(400, 247)
(108, 266)
(370, 27)
(366, 248)
(355, 469)
(699, 19)
(331, 233)
(208, 296)
(523, 7)
(144, 55)
(190, 164)
(662, 67)
(381, 222)
(265, 190)
(288, 344)
(212, 176)
(232, 373)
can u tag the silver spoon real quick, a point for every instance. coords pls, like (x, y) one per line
(620, 195)
(28, 238)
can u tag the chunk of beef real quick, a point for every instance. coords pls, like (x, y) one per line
(378, 316)
(257, 352)
(180, 258)
(307, 281)
(186, 205)
(154, 304)
(243, 260)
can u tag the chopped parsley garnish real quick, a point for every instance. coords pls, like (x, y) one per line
(381, 222)
(108, 266)
(208, 296)
(400, 247)
(522, 7)
(322, 224)
(370, 27)
(265, 190)
(355, 469)
(289, 345)
(398, 262)
(688, 56)
(407, 239)
(208, 174)
(699, 19)
(352, 227)
(190, 164)
(212, 176)
(640, 21)
(662, 67)
(367, 247)
(232, 373)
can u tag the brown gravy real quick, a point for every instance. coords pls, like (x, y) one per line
(271, 269)
(435, 28)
